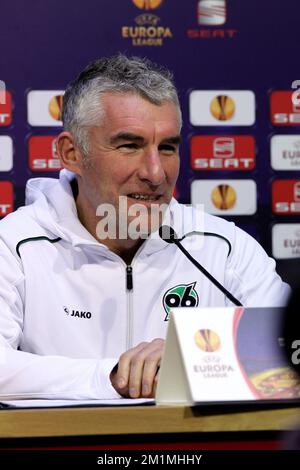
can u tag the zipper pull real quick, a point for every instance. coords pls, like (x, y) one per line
(129, 280)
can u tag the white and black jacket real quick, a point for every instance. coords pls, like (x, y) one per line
(69, 307)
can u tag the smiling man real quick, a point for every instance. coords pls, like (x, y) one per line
(86, 283)
(133, 153)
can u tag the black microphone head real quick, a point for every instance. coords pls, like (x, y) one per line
(167, 234)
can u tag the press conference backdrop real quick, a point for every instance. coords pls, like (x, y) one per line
(236, 65)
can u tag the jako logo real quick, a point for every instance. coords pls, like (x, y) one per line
(183, 295)
(77, 313)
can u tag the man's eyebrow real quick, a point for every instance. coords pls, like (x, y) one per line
(175, 140)
(121, 136)
(127, 136)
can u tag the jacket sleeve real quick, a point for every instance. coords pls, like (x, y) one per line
(251, 274)
(27, 375)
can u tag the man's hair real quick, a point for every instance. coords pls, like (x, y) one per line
(118, 74)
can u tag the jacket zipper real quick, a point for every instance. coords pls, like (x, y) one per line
(129, 289)
(129, 280)
(129, 295)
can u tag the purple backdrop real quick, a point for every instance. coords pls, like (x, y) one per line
(44, 44)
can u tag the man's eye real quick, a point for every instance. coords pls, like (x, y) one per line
(169, 149)
(128, 146)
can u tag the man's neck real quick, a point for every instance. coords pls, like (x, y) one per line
(125, 248)
(125, 251)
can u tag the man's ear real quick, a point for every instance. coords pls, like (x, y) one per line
(69, 155)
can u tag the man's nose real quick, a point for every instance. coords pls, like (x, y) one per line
(151, 168)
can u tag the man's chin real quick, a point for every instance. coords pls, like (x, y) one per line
(142, 227)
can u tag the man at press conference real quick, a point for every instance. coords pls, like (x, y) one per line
(90, 268)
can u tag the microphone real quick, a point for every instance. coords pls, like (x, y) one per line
(169, 235)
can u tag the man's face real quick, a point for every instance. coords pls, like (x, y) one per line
(134, 153)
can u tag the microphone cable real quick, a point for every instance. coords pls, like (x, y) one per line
(169, 235)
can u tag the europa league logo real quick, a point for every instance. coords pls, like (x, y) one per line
(147, 4)
(222, 108)
(207, 340)
(223, 197)
(55, 107)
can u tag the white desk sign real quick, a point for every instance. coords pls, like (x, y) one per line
(224, 354)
